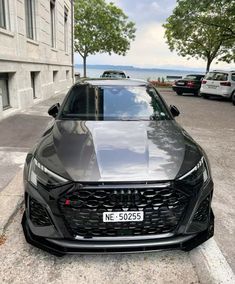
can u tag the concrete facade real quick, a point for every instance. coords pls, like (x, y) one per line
(33, 65)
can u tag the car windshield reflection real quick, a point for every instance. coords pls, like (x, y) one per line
(122, 103)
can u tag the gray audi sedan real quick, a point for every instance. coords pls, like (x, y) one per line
(114, 172)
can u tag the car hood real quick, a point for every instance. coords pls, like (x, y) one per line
(91, 151)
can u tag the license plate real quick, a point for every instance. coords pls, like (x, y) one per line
(129, 216)
(211, 87)
(180, 83)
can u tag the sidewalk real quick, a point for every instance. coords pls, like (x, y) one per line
(19, 133)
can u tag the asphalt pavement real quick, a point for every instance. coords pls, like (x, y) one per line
(212, 124)
(18, 133)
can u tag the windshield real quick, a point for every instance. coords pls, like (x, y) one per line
(194, 77)
(217, 76)
(87, 102)
(113, 75)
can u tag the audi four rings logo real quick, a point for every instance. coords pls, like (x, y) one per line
(124, 196)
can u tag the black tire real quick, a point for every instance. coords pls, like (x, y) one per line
(233, 98)
(205, 96)
(196, 93)
(179, 93)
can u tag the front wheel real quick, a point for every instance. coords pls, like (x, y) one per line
(205, 96)
(179, 93)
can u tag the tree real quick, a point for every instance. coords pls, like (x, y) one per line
(101, 27)
(203, 29)
(221, 14)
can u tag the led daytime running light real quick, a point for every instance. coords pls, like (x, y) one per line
(199, 164)
(50, 173)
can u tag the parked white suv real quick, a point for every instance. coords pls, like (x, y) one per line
(219, 83)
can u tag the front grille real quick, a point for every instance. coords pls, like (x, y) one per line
(83, 209)
(38, 214)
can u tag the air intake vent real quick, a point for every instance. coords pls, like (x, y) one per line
(38, 214)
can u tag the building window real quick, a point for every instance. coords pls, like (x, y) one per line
(53, 32)
(4, 92)
(67, 74)
(33, 86)
(55, 74)
(66, 12)
(4, 14)
(30, 19)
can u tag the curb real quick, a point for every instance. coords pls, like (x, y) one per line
(210, 264)
(11, 198)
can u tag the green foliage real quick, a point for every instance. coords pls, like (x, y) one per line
(101, 27)
(203, 29)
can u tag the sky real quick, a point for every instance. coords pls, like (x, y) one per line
(149, 48)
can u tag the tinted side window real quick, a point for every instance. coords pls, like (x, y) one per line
(192, 77)
(233, 76)
(81, 100)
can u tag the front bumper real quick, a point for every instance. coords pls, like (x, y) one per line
(57, 240)
(60, 247)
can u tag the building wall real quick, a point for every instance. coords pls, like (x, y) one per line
(20, 55)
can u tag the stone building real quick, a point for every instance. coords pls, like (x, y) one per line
(36, 55)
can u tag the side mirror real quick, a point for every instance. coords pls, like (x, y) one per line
(53, 110)
(128, 77)
(174, 110)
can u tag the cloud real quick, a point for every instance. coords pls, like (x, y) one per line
(155, 6)
(145, 11)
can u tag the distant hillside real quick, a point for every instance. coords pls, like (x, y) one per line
(118, 67)
(131, 68)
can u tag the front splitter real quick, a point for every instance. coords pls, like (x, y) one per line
(60, 247)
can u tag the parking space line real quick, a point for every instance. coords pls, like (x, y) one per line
(211, 265)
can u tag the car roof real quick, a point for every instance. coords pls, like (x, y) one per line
(114, 71)
(195, 75)
(222, 71)
(112, 82)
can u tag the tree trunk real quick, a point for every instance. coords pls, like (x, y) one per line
(208, 64)
(84, 66)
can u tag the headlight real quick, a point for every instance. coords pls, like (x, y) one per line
(38, 174)
(197, 175)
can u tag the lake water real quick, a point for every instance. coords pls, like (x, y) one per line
(140, 73)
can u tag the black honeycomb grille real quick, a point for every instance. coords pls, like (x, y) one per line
(38, 214)
(83, 209)
(202, 213)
